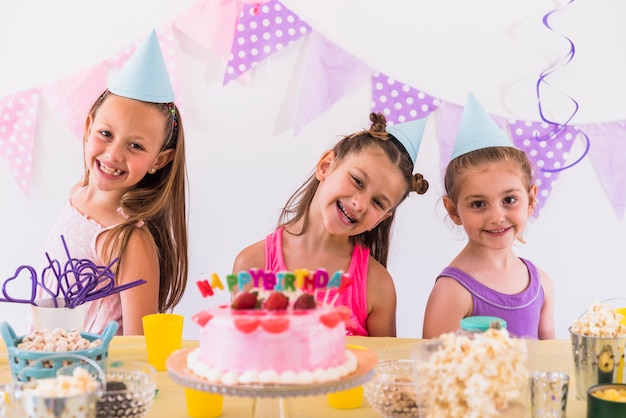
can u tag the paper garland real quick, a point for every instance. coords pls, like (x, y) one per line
(18, 124)
(262, 31)
(248, 33)
(400, 102)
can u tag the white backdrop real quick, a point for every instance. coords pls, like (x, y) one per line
(243, 160)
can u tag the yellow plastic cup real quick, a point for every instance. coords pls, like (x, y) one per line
(203, 404)
(346, 399)
(622, 311)
(349, 398)
(164, 335)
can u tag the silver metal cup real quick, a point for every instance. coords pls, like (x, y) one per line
(548, 394)
(597, 360)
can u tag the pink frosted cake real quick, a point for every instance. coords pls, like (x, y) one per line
(272, 341)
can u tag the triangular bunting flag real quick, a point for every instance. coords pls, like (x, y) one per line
(167, 41)
(448, 118)
(18, 124)
(547, 149)
(608, 156)
(262, 31)
(211, 23)
(117, 61)
(400, 102)
(329, 73)
(72, 97)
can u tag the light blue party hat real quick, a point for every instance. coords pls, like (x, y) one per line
(477, 130)
(144, 76)
(410, 135)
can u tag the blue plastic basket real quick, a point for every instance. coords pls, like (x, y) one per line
(25, 365)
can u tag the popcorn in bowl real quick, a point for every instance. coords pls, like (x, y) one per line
(477, 376)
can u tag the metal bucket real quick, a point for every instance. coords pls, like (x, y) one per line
(597, 360)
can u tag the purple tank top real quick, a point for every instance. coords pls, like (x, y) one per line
(354, 296)
(521, 311)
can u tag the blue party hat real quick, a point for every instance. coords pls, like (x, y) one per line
(477, 130)
(144, 76)
(410, 135)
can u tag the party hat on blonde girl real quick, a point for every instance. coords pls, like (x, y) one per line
(144, 76)
(477, 130)
(410, 135)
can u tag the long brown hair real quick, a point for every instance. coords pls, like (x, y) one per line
(159, 201)
(377, 240)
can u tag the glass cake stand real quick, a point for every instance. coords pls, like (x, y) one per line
(270, 399)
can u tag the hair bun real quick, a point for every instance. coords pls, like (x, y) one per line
(419, 184)
(379, 122)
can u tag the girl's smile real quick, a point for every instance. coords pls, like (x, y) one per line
(345, 214)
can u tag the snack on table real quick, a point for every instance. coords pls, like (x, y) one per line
(64, 386)
(600, 320)
(56, 340)
(279, 337)
(611, 395)
(473, 376)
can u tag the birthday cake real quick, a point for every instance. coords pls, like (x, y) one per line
(273, 333)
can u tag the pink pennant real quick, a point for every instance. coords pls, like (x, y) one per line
(400, 102)
(18, 124)
(547, 154)
(72, 97)
(330, 73)
(211, 23)
(608, 156)
(167, 42)
(261, 31)
(117, 61)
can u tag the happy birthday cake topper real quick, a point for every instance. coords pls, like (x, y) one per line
(300, 280)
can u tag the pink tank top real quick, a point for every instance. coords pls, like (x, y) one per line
(354, 296)
(80, 234)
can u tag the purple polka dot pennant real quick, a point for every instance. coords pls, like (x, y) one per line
(399, 102)
(261, 31)
(546, 151)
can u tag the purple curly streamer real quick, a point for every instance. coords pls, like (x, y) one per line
(90, 282)
(542, 80)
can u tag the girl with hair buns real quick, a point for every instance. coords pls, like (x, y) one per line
(341, 219)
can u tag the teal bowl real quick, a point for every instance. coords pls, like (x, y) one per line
(27, 365)
(603, 408)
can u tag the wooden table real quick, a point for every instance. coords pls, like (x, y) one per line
(552, 355)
